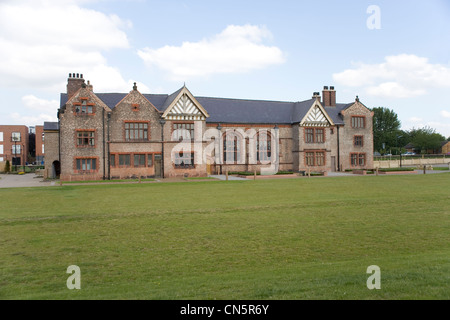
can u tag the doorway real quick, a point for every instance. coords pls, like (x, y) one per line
(56, 169)
(333, 164)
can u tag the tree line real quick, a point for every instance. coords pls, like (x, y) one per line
(389, 138)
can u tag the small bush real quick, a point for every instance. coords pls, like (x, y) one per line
(7, 166)
(396, 169)
(284, 172)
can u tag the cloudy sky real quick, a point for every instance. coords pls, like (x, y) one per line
(394, 54)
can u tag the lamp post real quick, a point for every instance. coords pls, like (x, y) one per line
(15, 153)
(22, 151)
(162, 122)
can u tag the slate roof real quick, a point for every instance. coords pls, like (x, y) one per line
(50, 126)
(226, 110)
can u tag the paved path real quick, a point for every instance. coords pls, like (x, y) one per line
(224, 177)
(25, 180)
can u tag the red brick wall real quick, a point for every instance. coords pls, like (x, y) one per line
(8, 144)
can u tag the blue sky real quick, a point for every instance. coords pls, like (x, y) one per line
(271, 50)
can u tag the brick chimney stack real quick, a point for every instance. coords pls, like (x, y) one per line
(329, 97)
(74, 83)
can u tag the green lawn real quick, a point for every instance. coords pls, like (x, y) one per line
(304, 238)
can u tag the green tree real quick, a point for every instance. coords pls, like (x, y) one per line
(7, 166)
(425, 139)
(386, 129)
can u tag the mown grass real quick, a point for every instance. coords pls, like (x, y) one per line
(264, 239)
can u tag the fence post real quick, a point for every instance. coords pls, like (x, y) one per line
(254, 174)
(226, 174)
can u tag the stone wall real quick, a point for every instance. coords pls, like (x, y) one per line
(347, 136)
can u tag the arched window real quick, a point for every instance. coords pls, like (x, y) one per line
(232, 148)
(264, 146)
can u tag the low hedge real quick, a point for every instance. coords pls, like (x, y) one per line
(396, 169)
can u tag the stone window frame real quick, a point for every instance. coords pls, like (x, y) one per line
(181, 154)
(147, 155)
(75, 164)
(191, 131)
(314, 157)
(238, 144)
(136, 122)
(87, 145)
(314, 135)
(355, 121)
(84, 103)
(268, 150)
(361, 141)
(356, 157)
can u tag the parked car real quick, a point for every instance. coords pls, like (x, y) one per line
(409, 154)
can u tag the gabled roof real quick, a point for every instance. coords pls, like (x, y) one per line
(228, 110)
(189, 104)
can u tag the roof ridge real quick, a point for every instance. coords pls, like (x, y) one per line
(239, 99)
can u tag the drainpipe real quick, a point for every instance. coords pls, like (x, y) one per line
(162, 122)
(59, 145)
(109, 151)
(104, 155)
(338, 150)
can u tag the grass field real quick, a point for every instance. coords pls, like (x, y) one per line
(265, 239)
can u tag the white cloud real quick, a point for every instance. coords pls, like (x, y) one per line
(399, 76)
(32, 120)
(36, 111)
(237, 49)
(43, 40)
(445, 114)
(108, 79)
(34, 103)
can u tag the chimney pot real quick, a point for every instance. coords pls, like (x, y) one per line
(331, 88)
(325, 88)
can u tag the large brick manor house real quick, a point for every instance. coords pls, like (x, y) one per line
(123, 135)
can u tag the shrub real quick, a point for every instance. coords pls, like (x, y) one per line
(7, 166)
(396, 169)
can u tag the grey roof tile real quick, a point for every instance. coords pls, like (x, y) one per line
(228, 110)
(51, 126)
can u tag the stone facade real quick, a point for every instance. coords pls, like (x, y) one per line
(119, 136)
